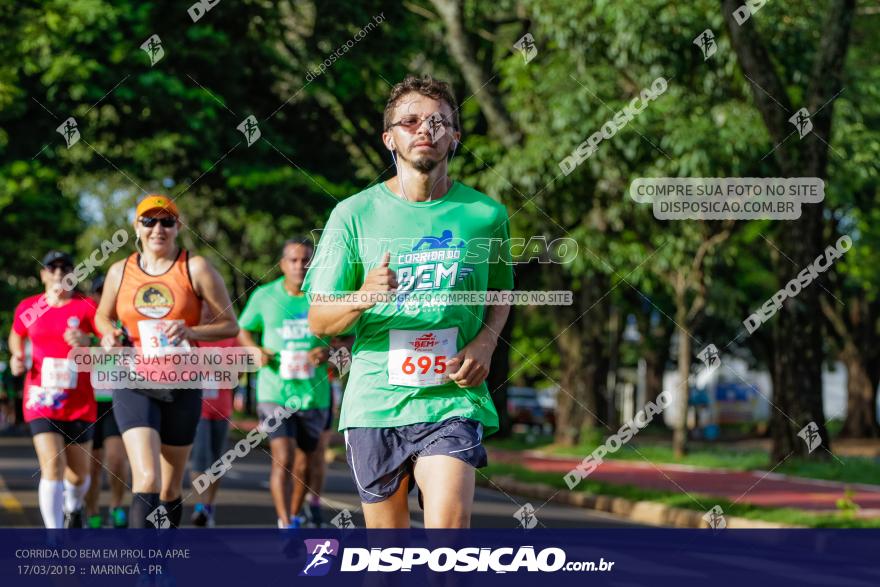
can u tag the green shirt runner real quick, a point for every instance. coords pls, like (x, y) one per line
(283, 320)
(456, 243)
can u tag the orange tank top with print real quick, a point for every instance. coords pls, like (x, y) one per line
(143, 297)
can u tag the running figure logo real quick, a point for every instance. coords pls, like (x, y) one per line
(343, 520)
(69, 131)
(715, 518)
(341, 360)
(801, 121)
(436, 126)
(319, 550)
(810, 434)
(439, 242)
(154, 50)
(526, 46)
(159, 518)
(526, 516)
(710, 357)
(249, 128)
(706, 42)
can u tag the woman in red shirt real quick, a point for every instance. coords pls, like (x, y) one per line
(59, 404)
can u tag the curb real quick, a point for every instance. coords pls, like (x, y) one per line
(643, 512)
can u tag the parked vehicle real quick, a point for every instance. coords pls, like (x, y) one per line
(524, 407)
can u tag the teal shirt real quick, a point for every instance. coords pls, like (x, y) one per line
(283, 321)
(455, 243)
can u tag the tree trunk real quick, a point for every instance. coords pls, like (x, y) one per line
(570, 418)
(479, 81)
(861, 399)
(797, 394)
(581, 401)
(656, 354)
(856, 328)
(609, 412)
(679, 437)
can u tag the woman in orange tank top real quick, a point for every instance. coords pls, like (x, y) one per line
(158, 294)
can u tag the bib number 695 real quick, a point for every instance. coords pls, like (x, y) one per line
(424, 364)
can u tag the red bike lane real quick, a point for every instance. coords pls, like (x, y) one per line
(760, 488)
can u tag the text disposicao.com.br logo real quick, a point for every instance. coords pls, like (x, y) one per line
(321, 553)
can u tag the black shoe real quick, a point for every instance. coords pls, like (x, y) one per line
(73, 519)
(199, 517)
(315, 516)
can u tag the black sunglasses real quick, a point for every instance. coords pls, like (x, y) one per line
(165, 221)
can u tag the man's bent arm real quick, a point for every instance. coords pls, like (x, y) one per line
(332, 319)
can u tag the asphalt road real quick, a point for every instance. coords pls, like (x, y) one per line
(244, 501)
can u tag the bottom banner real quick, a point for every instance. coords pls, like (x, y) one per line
(654, 557)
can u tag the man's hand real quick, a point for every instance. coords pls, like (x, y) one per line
(76, 337)
(16, 364)
(319, 355)
(379, 280)
(266, 356)
(472, 362)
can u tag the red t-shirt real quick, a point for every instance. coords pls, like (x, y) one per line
(53, 396)
(217, 403)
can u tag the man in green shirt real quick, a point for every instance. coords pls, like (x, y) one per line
(294, 374)
(416, 405)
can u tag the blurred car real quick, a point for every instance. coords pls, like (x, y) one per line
(547, 401)
(524, 406)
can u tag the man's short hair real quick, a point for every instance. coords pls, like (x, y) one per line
(297, 240)
(426, 86)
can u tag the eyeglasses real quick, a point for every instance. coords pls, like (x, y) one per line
(165, 221)
(412, 123)
(56, 266)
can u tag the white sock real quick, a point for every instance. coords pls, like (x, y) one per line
(75, 494)
(51, 497)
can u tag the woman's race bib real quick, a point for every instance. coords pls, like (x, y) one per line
(417, 358)
(296, 365)
(154, 340)
(57, 374)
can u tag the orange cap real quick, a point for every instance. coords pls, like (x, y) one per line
(156, 202)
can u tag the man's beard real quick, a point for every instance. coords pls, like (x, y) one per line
(425, 165)
(422, 164)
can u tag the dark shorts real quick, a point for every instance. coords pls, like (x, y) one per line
(209, 444)
(305, 426)
(74, 431)
(105, 425)
(380, 458)
(175, 421)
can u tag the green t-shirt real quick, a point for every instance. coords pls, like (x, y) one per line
(283, 321)
(456, 243)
